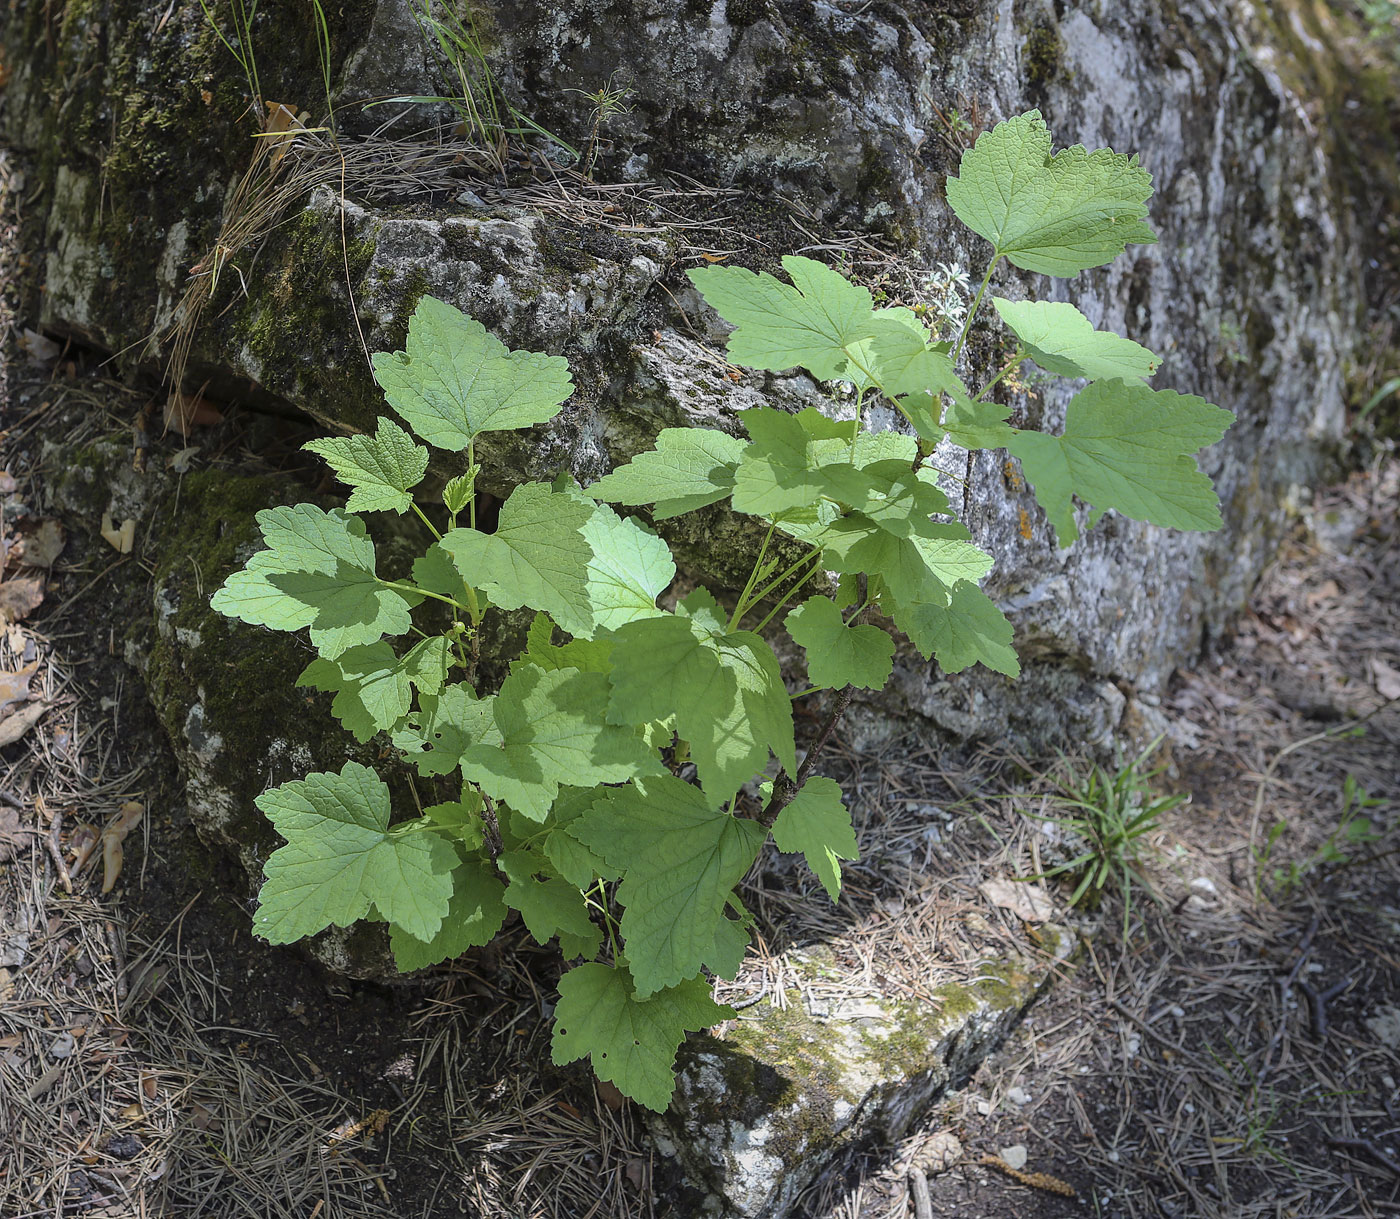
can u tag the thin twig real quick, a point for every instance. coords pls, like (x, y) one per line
(785, 789)
(493, 826)
(1285, 989)
(1370, 1147)
(56, 854)
(918, 1191)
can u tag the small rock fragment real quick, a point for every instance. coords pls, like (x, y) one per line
(1015, 1156)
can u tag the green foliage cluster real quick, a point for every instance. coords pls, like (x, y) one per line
(612, 790)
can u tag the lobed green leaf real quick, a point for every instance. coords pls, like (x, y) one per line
(1057, 214)
(341, 858)
(629, 1042)
(382, 469)
(680, 857)
(1129, 448)
(456, 380)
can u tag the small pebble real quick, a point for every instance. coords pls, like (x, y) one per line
(1018, 1096)
(1015, 1156)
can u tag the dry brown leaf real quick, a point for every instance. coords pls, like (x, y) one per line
(184, 412)
(42, 547)
(7, 482)
(14, 687)
(20, 598)
(82, 845)
(123, 539)
(16, 725)
(126, 820)
(11, 833)
(281, 127)
(1030, 903)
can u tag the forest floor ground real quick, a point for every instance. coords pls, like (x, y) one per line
(156, 1060)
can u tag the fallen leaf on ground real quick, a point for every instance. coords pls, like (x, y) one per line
(42, 547)
(123, 538)
(184, 412)
(20, 598)
(82, 845)
(16, 725)
(180, 462)
(1030, 903)
(1387, 678)
(7, 482)
(11, 833)
(126, 820)
(38, 347)
(14, 687)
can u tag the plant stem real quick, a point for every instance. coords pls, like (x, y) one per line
(400, 586)
(492, 825)
(753, 577)
(1016, 359)
(431, 527)
(771, 585)
(785, 789)
(971, 313)
(471, 465)
(788, 596)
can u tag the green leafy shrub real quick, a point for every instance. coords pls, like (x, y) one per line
(573, 798)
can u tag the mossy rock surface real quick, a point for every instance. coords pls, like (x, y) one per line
(783, 1094)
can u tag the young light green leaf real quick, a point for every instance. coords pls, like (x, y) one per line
(725, 690)
(681, 858)
(537, 557)
(905, 362)
(428, 663)
(809, 323)
(580, 865)
(1062, 340)
(373, 686)
(435, 572)
(1057, 214)
(372, 690)
(341, 858)
(817, 824)
(840, 655)
(549, 905)
(586, 655)
(317, 572)
(458, 492)
(551, 733)
(917, 569)
(474, 915)
(457, 380)
(436, 735)
(786, 465)
(969, 630)
(1129, 448)
(459, 820)
(629, 569)
(629, 1042)
(382, 468)
(976, 423)
(689, 468)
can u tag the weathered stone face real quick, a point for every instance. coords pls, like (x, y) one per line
(823, 126)
(841, 121)
(1250, 295)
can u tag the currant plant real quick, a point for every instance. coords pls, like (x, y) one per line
(612, 788)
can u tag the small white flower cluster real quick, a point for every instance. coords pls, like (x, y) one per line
(946, 289)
